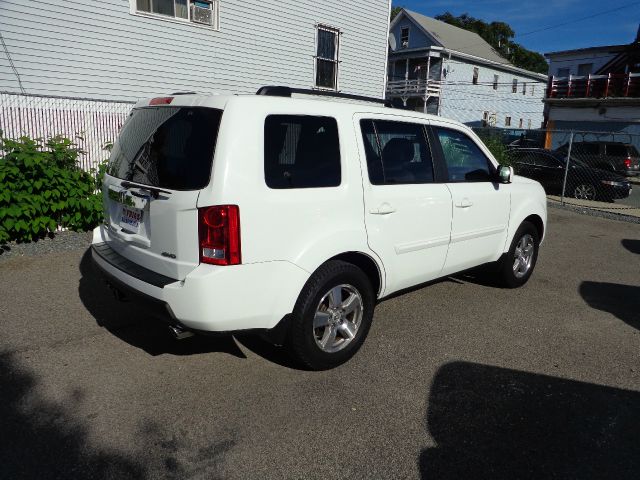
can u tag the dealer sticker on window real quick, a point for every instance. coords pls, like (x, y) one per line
(130, 218)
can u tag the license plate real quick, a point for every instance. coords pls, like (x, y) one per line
(130, 218)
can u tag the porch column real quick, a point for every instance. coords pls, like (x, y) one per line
(426, 84)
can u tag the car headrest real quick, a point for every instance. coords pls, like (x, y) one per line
(397, 151)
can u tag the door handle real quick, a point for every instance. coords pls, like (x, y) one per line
(384, 209)
(464, 203)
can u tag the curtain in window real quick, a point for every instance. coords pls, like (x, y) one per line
(181, 9)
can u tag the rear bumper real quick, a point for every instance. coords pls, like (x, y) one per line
(209, 298)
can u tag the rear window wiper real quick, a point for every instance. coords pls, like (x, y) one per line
(155, 191)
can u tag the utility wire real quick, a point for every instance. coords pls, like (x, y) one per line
(13, 67)
(580, 19)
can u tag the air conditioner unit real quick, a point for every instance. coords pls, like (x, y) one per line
(201, 15)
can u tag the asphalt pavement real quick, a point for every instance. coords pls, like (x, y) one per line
(458, 379)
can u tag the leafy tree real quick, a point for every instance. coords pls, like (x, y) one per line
(500, 36)
(395, 11)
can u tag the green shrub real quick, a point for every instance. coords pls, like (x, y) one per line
(41, 187)
(497, 148)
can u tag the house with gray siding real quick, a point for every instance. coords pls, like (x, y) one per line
(444, 70)
(127, 49)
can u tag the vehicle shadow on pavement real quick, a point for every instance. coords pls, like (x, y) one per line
(133, 325)
(275, 354)
(43, 439)
(623, 301)
(495, 423)
(632, 245)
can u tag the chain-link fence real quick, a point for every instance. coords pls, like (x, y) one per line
(594, 170)
(90, 124)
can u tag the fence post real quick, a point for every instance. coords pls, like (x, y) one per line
(566, 169)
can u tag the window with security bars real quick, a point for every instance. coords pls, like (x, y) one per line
(328, 40)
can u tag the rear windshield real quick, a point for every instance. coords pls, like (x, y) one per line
(167, 147)
(621, 150)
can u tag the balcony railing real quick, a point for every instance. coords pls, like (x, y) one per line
(413, 88)
(595, 86)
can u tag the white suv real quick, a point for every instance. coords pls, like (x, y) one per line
(292, 214)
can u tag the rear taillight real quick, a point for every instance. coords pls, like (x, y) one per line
(627, 162)
(219, 235)
(161, 101)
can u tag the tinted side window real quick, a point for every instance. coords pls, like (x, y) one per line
(521, 157)
(586, 148)
(547, 161)
(301, 152)
(465, 161)
(397, 152)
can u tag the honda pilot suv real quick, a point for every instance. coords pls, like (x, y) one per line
(292, 214)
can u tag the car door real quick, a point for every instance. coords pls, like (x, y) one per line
(524, 164)
(481, 205)
(550, 172)
(407, 209)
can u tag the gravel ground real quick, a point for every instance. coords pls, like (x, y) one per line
(457, 380)
(61, 242)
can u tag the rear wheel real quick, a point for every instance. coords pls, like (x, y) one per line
(332, 316)
(518, 264)
(584, 191)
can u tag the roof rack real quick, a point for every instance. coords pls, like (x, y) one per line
(283, 91)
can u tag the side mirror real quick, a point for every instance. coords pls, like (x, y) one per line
(505, 173)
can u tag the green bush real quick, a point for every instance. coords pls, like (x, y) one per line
(497, 148)
(41, 187)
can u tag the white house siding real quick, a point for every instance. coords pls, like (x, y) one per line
(573, 60)
(97, 49)
(465, 102)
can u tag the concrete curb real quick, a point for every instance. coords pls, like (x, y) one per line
(594, 213)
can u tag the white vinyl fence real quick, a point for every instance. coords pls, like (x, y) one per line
(91, 124)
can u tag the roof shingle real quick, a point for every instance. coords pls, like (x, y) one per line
(458, 39)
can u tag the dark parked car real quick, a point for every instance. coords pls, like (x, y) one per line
(525, 143)
(621, 158)
(584, 182)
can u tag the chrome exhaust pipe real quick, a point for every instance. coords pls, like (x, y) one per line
(179, 333)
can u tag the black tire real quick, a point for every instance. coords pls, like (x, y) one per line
(506, 274)
(302, 336)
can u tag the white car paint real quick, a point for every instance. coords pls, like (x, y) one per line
(413, 233)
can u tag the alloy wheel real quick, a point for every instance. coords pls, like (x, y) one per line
(523, 256)
(585, 192)
(337, 318)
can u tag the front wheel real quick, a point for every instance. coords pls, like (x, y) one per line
(585, 191)
(519, 262)
(332, 316)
